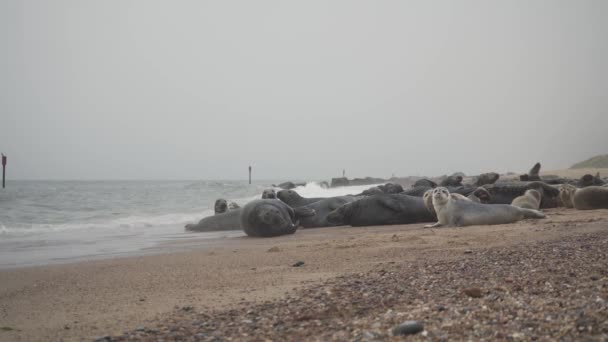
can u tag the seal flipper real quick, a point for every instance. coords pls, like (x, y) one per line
(531, 213)
(301, 212)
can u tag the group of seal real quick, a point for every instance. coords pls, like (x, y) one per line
(454, 211)
(484, 200)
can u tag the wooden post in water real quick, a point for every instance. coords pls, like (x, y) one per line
(3, 169)
(249, 174)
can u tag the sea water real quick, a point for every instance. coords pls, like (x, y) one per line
(44, 222)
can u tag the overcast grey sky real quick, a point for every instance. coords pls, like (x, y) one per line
(300, 90)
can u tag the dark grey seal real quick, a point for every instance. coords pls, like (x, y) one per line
(322, 208)
(388, 188)
(221, 206)
(294, 199)
(230, 220)
(271, 217)
(453, 180)
(381, 210)
(506, 192)
(532, 175)
(487, 178)
(269, 194)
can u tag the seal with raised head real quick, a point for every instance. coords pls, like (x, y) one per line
(230, 220)
(454, 212)
(529, 200)
(271, 217)
(532, 175)
(487, 178)
(221, 206)
(294, 199)
(453, 180)
(269, 194)
(381, 210)
(566, 192)
(591, 197)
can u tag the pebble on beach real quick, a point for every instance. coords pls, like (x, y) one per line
(408, 328)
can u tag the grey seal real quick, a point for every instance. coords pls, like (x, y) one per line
(271, 217)
(229, 220)
(529, 200)
(454, 212)
(591, 197)
(269, 194)
(294, 199)
(322, 208)
(381, 210)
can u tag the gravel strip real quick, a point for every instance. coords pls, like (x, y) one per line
(543, 291)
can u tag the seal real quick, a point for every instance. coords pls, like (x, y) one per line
(566, 192)
(269, 194)
(293, 199)
(506, 192)
(532, 175)
(487, 178)
(288, 185)
(424, 182)
(591, 197)
(529, 200)
(454, 212)
(230, 220)
(220, 206)
(381, 210)
(388, 188)
(271, 217)
(480, 195)
(453, 180)
(322, 208)
(590, 180)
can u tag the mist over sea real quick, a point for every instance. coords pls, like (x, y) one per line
(44, 222)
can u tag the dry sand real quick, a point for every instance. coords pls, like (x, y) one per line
(351, 280)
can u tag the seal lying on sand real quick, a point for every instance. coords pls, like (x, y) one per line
(529, 200)
(566, 192)
(487, 178)
(480, 195)
(591, 197)
(229, 220)
(271, 217)
(269, 194)
(322, 208)
(506, 192)
(381, 210)
(454, 212)
(294, 199)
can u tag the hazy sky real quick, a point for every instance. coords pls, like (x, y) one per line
(300, 90)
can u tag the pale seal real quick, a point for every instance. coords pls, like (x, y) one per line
(454, 212)
(591, 197)
(566, 192)
(269, 194)
(529, 200)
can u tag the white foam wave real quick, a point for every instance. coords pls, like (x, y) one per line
(125, 224)
(313, 189)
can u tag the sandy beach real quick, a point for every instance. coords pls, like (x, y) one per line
(241, 279)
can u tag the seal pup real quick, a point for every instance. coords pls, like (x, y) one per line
(294, 199)
(591, 197)
(566, 192)
(529, 200)
(229, 220)
(381, 210)
(271, 217)
(269, 194)
(454, 212)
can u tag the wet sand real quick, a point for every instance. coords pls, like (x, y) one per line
(243, 280)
